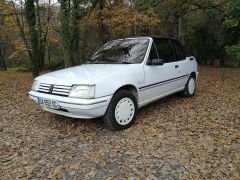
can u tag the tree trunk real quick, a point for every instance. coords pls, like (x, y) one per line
(101, 24)
(180, 29)
(2, 59)
(31, 21)
(75, 31)
(68, 59)
(222, 61)
(41, 55)
(65, 12)
(41, 35)
(205, 61)
(48, 53)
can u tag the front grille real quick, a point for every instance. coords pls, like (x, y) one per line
(60, 90)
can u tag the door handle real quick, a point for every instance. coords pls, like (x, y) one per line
(176, 66)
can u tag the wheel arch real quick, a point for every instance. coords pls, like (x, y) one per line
(193, 74)
(129, 87)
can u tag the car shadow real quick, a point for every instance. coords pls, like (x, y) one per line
(161, 101)
(97, 124)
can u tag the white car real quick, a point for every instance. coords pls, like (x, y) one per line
(122, 76)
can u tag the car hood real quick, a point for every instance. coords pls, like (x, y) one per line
(83, 74)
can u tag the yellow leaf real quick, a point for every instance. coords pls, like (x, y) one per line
(117, 147)
(226, 146)
(42, 141)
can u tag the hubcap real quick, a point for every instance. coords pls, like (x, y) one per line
(124, 111)
(191, 86)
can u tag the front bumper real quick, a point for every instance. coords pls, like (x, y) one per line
(74, 107)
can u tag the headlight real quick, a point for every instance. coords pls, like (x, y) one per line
(82, 91)
(35, 85)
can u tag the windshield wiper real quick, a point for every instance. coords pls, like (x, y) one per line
(98, 62)
(125, 62)
(102, 61)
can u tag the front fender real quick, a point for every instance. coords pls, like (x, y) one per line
(109, 85)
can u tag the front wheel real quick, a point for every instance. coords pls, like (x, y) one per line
(122, 111)
(190, 87)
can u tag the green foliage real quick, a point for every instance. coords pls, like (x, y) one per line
(145, 5)
(232, 22)
(234, 51)
(229, 23)
(232, 12)
(20, 69)
(54, 64)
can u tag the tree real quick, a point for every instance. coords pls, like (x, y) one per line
(7, 28)
(31, 21)
(205, 35)
(196, 22)
(19, 24)
(69, 19)
(31, 27)
(43, 29)
(120, 20)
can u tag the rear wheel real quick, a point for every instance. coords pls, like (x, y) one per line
(121, 112)
(190, 87)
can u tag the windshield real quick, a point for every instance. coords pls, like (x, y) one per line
(124, 51)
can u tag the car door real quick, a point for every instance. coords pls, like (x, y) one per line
(181, 61)
(160, 80)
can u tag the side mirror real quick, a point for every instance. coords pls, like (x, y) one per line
(156, 62)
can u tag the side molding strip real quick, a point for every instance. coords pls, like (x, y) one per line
(162, 82)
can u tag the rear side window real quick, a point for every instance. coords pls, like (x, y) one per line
(179, 50)
(165, 50)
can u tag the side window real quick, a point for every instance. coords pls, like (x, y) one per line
(179, 50)
(165, 50)
(153, 52)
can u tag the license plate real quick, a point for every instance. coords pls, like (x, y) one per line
(47, 103)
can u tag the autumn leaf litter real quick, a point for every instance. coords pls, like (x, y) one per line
(172, 138)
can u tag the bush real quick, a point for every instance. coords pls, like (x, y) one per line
(234, 51)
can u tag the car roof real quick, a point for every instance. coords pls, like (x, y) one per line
(154, 37)
(162, 37)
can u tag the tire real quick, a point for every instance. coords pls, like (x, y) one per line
(190, 87)
(121, 112)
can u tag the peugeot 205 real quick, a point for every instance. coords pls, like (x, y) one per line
(120, 77)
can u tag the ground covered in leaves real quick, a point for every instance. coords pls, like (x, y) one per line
(172, 138)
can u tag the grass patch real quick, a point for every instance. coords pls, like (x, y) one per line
(20, 69)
